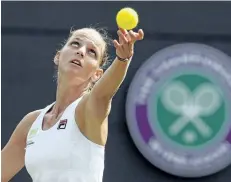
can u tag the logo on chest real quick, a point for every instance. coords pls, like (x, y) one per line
(33, 133)
(62, 124)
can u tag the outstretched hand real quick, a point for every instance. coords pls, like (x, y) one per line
(125, 45)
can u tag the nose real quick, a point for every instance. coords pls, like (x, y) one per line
(81, 51)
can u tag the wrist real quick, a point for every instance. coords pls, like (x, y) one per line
(123, 59)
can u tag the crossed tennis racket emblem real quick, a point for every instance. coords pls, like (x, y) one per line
(203, 101)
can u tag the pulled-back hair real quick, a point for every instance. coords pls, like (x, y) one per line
(105, 59)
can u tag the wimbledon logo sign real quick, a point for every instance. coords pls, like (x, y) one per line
(178, 110)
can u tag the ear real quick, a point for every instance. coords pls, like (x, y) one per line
(56, 59)
(97, 75)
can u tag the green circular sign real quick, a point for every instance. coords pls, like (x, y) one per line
(178, 110)
(190, 110)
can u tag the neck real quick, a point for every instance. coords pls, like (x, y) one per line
(67, 92)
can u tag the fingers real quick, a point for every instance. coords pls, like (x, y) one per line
(122, 38)
(123, 31)
(141, 34)
(136, 36)
(125, 44)
(132, 35)
(116, 44)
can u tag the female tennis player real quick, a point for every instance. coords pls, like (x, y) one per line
(65, 141)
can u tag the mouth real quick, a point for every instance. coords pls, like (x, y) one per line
(76, 62)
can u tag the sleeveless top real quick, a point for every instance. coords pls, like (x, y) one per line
(62, 153)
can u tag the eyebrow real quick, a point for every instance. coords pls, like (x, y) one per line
(92, 44)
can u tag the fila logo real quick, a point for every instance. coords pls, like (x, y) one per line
(62, 124)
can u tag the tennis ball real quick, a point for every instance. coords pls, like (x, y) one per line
(127, 18)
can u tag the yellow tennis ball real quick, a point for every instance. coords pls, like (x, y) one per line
(127, 18)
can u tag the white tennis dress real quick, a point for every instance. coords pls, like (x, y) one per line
(62, 153)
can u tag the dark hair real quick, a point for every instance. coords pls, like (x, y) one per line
(105, 61)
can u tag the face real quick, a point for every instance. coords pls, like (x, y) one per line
(81, 56)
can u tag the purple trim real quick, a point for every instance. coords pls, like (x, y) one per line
(229, 137)
(142, 122)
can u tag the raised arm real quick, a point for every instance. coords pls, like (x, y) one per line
(114, 76)
(14, 151)
(98, 104)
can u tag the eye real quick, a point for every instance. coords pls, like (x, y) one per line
(92, 51)
(75, 43)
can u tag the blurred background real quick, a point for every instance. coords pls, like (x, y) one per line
(33, 31)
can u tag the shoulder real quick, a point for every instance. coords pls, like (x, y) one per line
(25, 124)
(29, 118)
